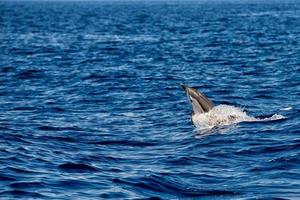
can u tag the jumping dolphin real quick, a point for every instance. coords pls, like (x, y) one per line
(200, 103)
(205, 115)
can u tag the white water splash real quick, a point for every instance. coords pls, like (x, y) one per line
(223, 115)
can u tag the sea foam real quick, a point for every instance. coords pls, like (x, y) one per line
(223, 115)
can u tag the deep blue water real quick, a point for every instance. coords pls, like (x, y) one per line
(91, 108)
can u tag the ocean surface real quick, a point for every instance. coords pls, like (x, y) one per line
(91, 105)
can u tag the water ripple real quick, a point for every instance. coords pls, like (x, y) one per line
(91, 107)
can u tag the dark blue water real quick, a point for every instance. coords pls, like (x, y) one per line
(91, 108)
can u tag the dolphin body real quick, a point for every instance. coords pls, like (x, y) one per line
(200, 103)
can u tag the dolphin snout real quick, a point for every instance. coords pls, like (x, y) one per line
(184, 87)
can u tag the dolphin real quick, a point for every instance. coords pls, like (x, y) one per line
(206, 115)
(200, 103)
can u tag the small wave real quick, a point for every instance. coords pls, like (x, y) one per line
(56, 109)
(172, 187)
(22, 170)
(287, 108)
(58, 138)
(115, 195)
(49, 128)
(55, 128)
(224, 115)
(77, 167)
(125, 143)
(27, 185)
(6, 178)
(21, 194)
(7, 69)
(24, 108)
(30, 74)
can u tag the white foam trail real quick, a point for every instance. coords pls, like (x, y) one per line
(272, 118)
(287, 108)
(223, 115)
